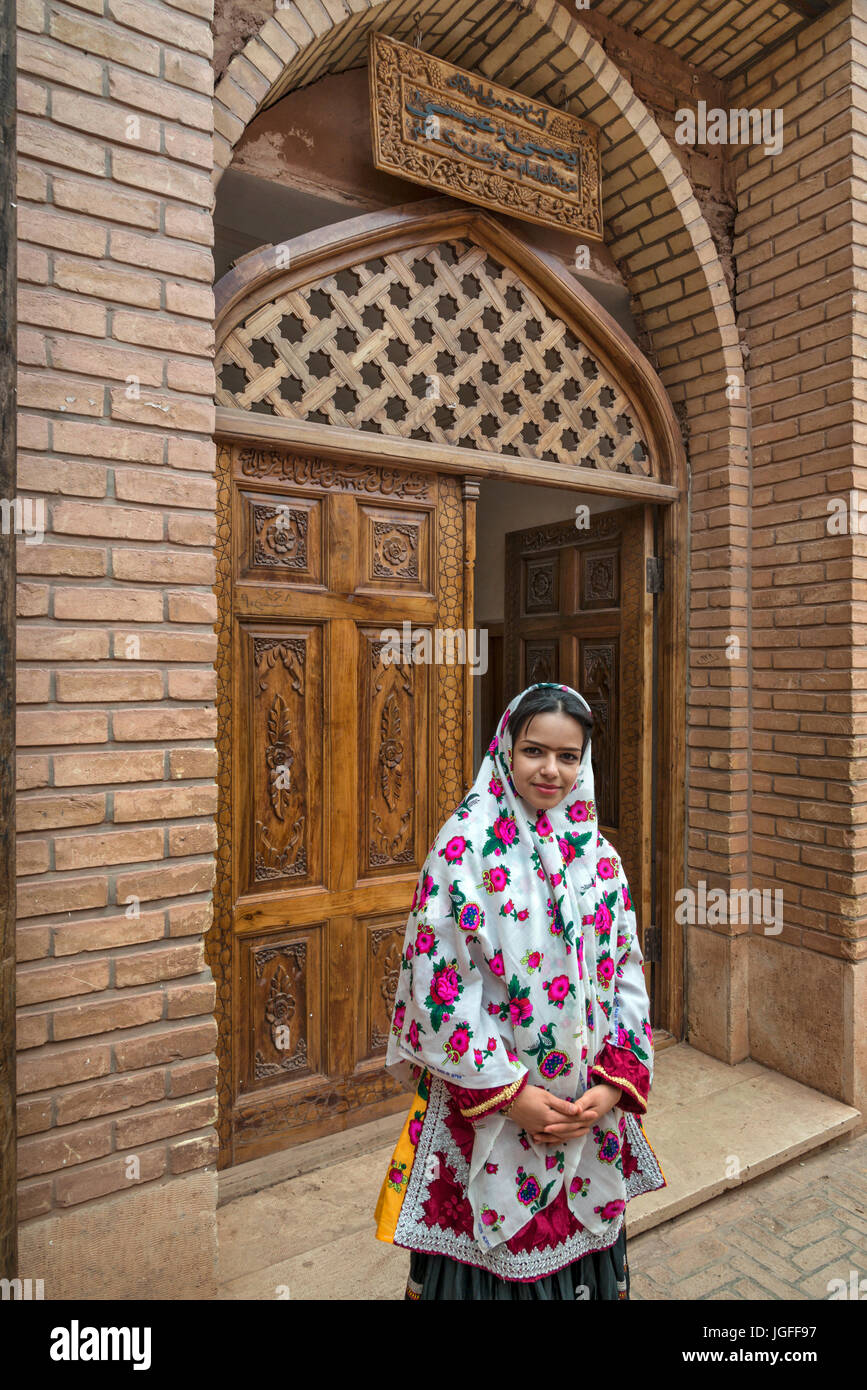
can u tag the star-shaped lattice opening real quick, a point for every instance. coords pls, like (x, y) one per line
(438, 343)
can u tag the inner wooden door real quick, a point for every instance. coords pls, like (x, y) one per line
(579, 609)
(342, 767)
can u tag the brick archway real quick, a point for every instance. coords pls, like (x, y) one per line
(659, 238)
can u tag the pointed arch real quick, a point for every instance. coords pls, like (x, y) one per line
(345, 329)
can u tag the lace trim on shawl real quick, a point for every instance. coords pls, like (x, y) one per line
(413, 1233)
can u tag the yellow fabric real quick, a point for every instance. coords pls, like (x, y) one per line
(391, 1196)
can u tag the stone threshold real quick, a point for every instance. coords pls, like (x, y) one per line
(712, 1127)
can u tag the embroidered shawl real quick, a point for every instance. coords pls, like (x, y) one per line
(521, 965)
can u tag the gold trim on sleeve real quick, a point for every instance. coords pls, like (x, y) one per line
(492, 1101)
(622, 1083)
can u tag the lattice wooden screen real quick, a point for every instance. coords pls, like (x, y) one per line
(438, 343)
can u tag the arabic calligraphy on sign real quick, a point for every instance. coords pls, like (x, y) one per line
(439, 125)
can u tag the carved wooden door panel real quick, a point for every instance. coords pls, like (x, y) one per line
(578, 610)
(337, 769)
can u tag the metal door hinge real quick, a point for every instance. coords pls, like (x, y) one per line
(654, 575)
(652, 946)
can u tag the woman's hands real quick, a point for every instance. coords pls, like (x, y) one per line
(550, 1119)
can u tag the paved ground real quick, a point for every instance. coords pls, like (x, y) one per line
(781, 1236)
(778, 1237)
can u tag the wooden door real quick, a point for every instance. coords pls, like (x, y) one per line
(341, 768)
(578, 610)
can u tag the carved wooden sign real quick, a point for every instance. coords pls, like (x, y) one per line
(439, 125)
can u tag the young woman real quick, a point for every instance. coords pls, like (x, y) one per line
(521, 1019)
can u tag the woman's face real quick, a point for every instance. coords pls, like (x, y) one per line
(545, 758)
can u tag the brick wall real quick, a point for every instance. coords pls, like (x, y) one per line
(799, 250)
(116, 686)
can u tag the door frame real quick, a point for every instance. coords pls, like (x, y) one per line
(263, 275)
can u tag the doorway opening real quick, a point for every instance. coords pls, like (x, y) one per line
(567, 589)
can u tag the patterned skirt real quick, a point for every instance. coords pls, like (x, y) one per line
(601, 1274)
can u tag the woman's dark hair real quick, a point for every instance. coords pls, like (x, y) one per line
(545, 699)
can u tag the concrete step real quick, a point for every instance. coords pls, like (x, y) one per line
(300, 1224)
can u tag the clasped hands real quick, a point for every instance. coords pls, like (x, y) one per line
(550, 1119)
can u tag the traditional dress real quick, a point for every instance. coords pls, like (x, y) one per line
(521, 965)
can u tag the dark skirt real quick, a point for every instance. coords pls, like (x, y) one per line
(601, 1274)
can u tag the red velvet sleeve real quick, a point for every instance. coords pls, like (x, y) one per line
(474, 1104)
(619, 1066)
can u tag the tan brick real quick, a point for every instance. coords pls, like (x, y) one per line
(107, 201)
(61, 895)
(40, 391)
(187, 1001)
(32, 943)
(106, 361)
(192, 530)
(169, 646)
(164, 803)
(170, 412)
(34, 687)
(166, 1044)
(50, 812)
(193, 1153)
(195, 300)
(85, 1102)
(31, 600)
(42, 140)
(147, 967)
(166, 1121)
(192, 685)
(185, 223)
(48, 1153)
(32, 857)
(100, 119)
(192, 839)
(31, 1030)
(191, 34)
(103, 40)
(62, 233)
(34, 1199)
(163, 566)
(92, 686)
(132, 765)
(63, 476)
(165, 490)
(99, 1179)
(175, 881)
(159, 332)
(77, 561)
(107, 440)
(199, 454)
(53, 310)
(61, 66)
(106, 1016)
(188, 1077)
(192, 608)
(192, 762)
(85, 851)
(58, 1066)
(86, 519)
(156, 176)
(67, 644)
(35, 985)
(108, 605)
(34, 1116)
(190, 919)
(158, 253)
(31, 772)
(105, 933)
(168, 723)
(61, 726)
(104, 282)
